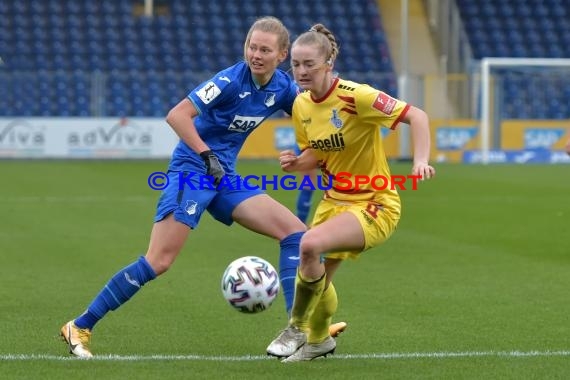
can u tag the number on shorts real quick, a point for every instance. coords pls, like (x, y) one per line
(373, 208)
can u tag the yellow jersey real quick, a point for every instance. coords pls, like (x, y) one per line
(343, 130)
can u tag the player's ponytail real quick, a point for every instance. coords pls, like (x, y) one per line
(319, 34)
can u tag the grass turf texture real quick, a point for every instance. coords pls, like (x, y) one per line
(478, 267)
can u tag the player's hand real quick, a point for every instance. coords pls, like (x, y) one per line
(287, 160)
(213, 166)
(567, 148)
(424, 170)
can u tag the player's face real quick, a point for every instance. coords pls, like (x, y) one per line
(310, 69)
(263, 55)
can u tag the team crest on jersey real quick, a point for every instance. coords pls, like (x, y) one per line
(208, 92)
(335, 120)
(270, 99)
(191, 207)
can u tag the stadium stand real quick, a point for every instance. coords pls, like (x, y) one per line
(103, 58)
(531, 29)
(511, 28)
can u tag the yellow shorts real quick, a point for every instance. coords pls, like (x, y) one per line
(376, 229)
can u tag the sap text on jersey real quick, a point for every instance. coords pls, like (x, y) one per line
(244, 123)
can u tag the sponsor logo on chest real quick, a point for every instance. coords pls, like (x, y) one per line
(244, 123)
(334, 143)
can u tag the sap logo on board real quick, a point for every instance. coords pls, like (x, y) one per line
(20, 133)
(558, 157)
(124, 134)
(450, 138)
(542, 137)
(477, 157)
(284, 138)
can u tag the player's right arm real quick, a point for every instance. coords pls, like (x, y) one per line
(181, 120)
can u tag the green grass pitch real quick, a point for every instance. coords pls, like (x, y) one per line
(474, 284)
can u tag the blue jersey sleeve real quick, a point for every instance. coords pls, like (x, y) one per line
(213, 92)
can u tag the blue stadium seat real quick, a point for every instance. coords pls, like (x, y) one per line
(511, 28)
(104, 38)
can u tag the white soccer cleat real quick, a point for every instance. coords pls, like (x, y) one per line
(312, 351)
(77, 340)
(288, 341)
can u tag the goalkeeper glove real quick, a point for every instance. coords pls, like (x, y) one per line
(213, 166)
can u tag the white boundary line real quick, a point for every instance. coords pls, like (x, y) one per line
(245, 358)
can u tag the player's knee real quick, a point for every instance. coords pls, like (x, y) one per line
(296, 225)
(289, 229)
(161, 259)
(311, 246)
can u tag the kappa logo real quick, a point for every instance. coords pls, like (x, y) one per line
(244, 94)
(209, 92)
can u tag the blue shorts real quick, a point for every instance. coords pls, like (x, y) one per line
(188, 202)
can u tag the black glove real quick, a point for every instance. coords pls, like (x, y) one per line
(213, 166)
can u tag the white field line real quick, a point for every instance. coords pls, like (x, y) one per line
(245, 358)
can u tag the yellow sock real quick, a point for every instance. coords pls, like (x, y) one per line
(307, 295)
(321, 318)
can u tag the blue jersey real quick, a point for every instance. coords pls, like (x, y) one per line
(230, 107)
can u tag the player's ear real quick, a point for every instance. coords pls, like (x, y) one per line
(283, 55)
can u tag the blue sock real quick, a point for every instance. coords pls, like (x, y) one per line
(118, 290)
(288, 263)
(304, 204)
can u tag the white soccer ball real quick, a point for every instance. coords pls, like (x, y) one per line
(250, 284)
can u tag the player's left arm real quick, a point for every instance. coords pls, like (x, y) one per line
(391, 111)
(419, 125)
(291, 162)
(567, 147)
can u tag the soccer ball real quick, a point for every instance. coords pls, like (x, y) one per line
(250, 284)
